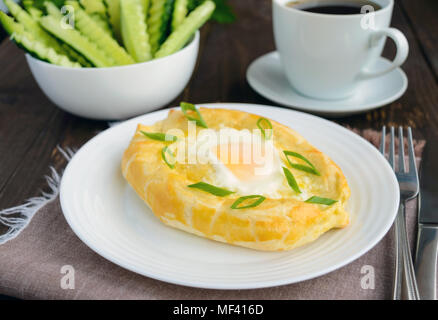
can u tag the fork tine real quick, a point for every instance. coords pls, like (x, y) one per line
(401, 151)
(391, 148)
(411, 152)
(382, 141)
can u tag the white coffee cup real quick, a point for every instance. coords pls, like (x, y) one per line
(327, 55)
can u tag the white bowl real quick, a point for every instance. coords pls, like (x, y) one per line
(116, 92)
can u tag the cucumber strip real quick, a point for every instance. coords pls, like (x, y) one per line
(42, 52)
(160, 13)
(32, 26)
(192, 4)
(52, 10)
(134, 30)
(20, 15)
(96, 9)
(10, 25)
(76, 56)
(113, 10)
(27, 4)
(186, 29)
(86, 25)
(102, 23)
(77, 41)
(145, 7)
(34, 12)
(167, 20)
(93, 6)
(35, 47)
(179, 13)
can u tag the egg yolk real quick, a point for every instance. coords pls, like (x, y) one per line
(245, 161)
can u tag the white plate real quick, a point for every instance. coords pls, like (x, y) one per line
(106, 214)
(265, 75)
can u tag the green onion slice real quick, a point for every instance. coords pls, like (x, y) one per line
(265, 122)
(188, 106)
(319, 200)
(160, 136)
(166, 152)
(291, 180)
(310, 168)
(220, 192)
(259, 200)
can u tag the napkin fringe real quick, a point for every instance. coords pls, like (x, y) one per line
(18, 218)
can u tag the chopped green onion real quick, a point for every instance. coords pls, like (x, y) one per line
(268, 124)
(291, 180)
(310, 168)
(259, 200)
(188, 106)
(167, 152)
(220, 192)
(160, 136)
(319, 200)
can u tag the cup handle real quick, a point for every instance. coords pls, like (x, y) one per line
(401, 44)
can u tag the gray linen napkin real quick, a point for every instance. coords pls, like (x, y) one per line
(40, 263)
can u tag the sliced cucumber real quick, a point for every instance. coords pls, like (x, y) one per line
(30, 7)
(96, 9)
(179, 13)
(35, 13)
(32, 26)
(20, 15)
(76, 56)
(76, 40)
(133, 29)
(10, 25)
(93, 6)
(145, 7)
(160, 13)
(27, 4)
(192, 4)
(186, 29)
(113, 10)
(53, 10)
(39, 50)
(102, 22)
(36, 48)
(167, 20)
(85, 24)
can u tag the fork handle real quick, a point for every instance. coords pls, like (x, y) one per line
(426, 260)
(408, 266)
(398, 268)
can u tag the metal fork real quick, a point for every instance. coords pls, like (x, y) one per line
(409, 187)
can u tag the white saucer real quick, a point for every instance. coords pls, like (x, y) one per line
(265, 75)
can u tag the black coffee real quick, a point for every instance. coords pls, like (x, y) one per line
(333, 7)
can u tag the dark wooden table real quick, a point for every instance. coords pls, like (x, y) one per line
(31, 127)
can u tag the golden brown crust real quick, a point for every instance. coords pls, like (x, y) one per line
(276, 224)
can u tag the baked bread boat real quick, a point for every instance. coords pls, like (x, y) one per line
(287, 195)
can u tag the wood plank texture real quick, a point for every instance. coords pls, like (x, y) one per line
(422, 17)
